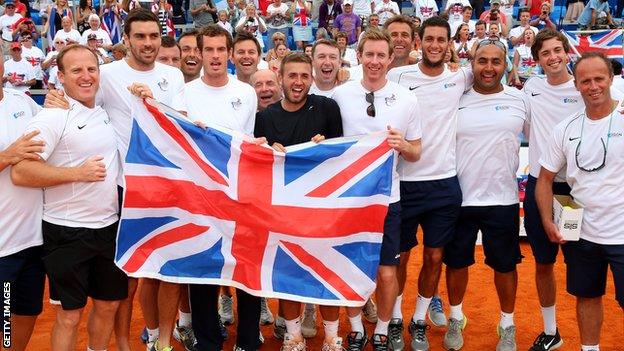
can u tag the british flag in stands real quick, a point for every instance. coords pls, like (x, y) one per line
(210, 206)
(608, 41)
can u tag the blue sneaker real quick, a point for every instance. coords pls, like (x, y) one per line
(144, 336)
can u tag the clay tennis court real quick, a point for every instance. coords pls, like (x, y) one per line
(480, 306)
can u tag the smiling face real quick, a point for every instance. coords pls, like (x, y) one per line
(267, 87)
(245, 57)
(488, 68)
(80, 75)
(169, 56)
(296, 79)
(401, 36)
(552, 57)
(326, 63)
(375, 58)
(593, 79)
(435, 43)
(143, 42)
(191, 62)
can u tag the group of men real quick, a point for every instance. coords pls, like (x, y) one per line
(455, 133)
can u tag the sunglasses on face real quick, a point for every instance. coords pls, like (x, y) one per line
(26, 38)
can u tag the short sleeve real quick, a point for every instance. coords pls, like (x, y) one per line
(553, 158)
(253, 107)
(179, 102)
(414, 131)
(50, 125)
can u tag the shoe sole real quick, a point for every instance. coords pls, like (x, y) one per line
(266, 322)
(556, 346)
(227, 321)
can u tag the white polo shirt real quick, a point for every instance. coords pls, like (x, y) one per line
(233, 105)
(394, 106)
(600, 193)
(438, 98)
(21, 207)
(72, 137)
(488, 146)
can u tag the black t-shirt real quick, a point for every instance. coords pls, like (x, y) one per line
(319, 115)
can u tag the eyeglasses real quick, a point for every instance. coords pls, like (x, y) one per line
(26, 38)
(370, 98)
(605, 147)
(495, 42)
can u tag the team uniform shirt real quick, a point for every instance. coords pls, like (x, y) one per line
(6, 24)
(326, 93)
(103, 37)
(166, 83)
(386, 10)
(21, 71)
(454, 8)
(425, 8)
(518, 31)
(439, 97)
(72, 137)
(35, 57)
(72, 35)
(21, 207)
(319, 115)
(232, 106)
(600, 193)
(394, 106)
(362, 8)
(488, 146)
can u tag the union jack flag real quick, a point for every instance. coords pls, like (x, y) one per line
(111, 23)
(209, 206)
(300, 17)
(608, 42)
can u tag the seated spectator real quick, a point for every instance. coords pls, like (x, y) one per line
(373, 23)
(252, 23)
(277, 19)
(348, 22)
(56, 13)
(424, 9)
(7, 20)
(119, 51)
(348, 55)
(50, 59)
(328, 11)
(479, 35)
(535, 6)
(544, 20)
(494, 33)
(417, 21)
(466, 18)
(454, 10)
(451, 56)
(93, 44)
(68, 33)
(321, 33)
(223, 21)
(494, 15)
(524, 65)
(277, 38)
(308, 50)
(595, 12)
(25, 25)
(103, 39)
(516, 34)
(35, 57)
(574, 9)
(18, 73)
(280, 51)
(618, 80)
(386, 9)
(462, 45)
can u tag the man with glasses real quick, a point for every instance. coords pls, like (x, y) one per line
(34, 56)
(490, 118)
(371, 105)
(588, 146)
(430, 192)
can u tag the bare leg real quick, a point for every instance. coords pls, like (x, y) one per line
(168, 297)
(101, 323)
(65, 329)
(124, 316)
(589, 313)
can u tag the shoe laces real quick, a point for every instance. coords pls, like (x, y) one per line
(436, 304)
(455, 325)
(420, 332)
(396, 331)
(379, 344)
(355, 344)
(226, 304)
(508, 336)
(263, 307)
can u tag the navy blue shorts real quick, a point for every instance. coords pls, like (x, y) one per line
(544, 250)
(391, 243)
(22, 274)
(500, 228)
(80, 263)
(587, 265)
(432, 204)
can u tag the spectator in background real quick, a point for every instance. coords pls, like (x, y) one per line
(127, 6)
(164, 11)
(276, 39)
(301, 26)
(373, 22)
(329, 10)
(524, 65)
(425, 8)
(618, 80)
(25, 25)
(253, 24)
(110, 15)
(85, 9)
(454, 10)
(234, 9)
(575, 7)
(590, 17)
(50, 59)
(507, 9)
(93, 44)
(21, 7)
(280, 51)
(466, 18)
(103, 39)
(348, 22)
(34, 56)
(308, 49)
(321, 33)
(224, 23)
(543, 20)
(386, 9)
(535, 6)
(277, 19)
(18, 73)
(516, 34)
(68, 33)
(119, 51)
(463, 45)
(201, 11)
(494, 15)
(363, 8)
(6, 23)
(56, 13)
(347, 54)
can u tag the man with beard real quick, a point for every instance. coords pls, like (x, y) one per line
(299, 118)
(191, 62)
(430, 192)
(371, 105)
(266, 84)
(246, 56)
(142, 36)
(403, 34)
(490, 118)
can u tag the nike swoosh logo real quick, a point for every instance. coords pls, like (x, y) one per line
(80, 127)
(547, 346)
(536, 94)
(461, 108)
(572, 139)
(413, 88)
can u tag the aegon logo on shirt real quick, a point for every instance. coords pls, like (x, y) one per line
(501, 108)
(18, 114)
(570, 101)
(449, 85)
(615, 134)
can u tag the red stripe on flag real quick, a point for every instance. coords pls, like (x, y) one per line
(322, 270)
(348, 173)
(175, 134)
(143, 252)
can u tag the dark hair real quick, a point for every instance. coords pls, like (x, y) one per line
(327, 42)
(466, 8)
(295, 57)
(546, 34)
(590, 55)
(435, 21)
(522, 10)
(456, 36)
(211, 31)
(188, 33)
(60, 58)
(246, 36)
(616, 66)
(168, 42)
(83, 4)
(481, 22)
(140, 14)
(341, 34)
(401, 19)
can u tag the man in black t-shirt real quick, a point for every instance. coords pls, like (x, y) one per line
(299, 118)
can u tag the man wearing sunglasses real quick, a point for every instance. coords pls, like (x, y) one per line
(490, 118)
(34, 56)
(430, 192)
(371, 105)
(588, 146)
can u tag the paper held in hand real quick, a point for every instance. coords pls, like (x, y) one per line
(568, 216)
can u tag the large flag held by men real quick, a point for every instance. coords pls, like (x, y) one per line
(210, 206)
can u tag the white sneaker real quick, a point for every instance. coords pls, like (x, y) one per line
(334, 345)
(308, 323)
(266, 317)
(226, 310)
(292, 345)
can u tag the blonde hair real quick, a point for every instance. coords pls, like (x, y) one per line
(374, 35)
